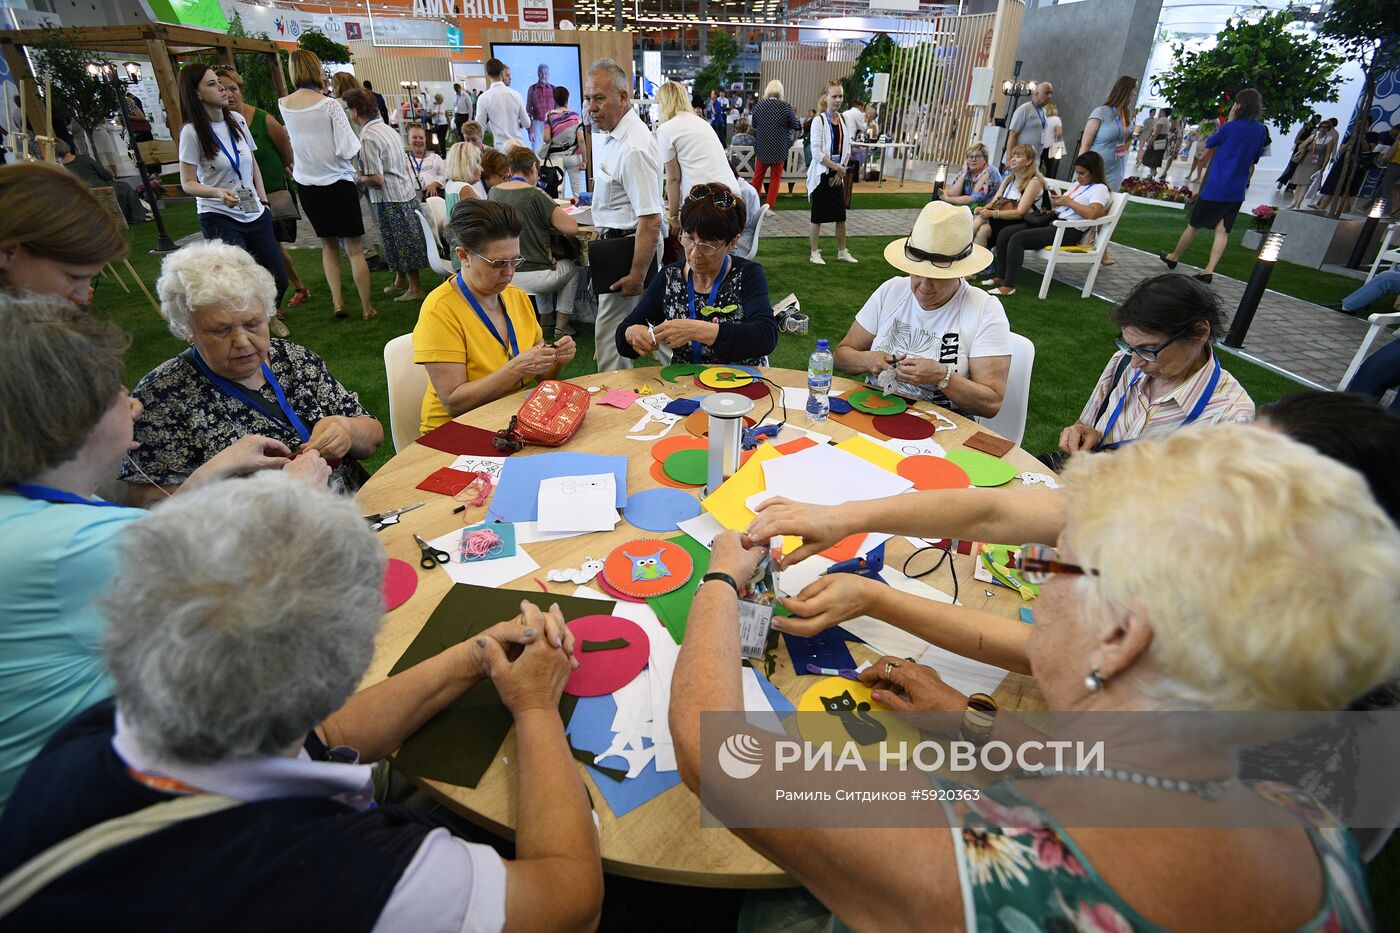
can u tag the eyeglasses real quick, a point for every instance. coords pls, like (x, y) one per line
(1037, 562)
(500, 265)
(941, 260)
(722, 197)
(689, 242)
(1148, 354)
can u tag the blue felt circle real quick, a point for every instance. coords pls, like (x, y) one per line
(751, 370)
(660, 509)
(839, 406)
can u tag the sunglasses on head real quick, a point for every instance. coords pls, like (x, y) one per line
(720, 195)
(914, 254)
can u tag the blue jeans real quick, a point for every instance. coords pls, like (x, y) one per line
(1387, 283)
(1380, 372)
(255, 236)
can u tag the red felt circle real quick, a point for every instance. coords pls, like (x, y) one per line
(664, 448)
(603, 672)
(603, 585)
(754, 390)
(619, 567)
(927, 472)
(400, 582)
(904, 426)
(658, 473)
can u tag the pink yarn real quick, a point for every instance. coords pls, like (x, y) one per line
(478, 544)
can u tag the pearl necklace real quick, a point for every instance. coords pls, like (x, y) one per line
(1208, 790)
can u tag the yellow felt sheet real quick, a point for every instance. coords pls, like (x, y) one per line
(878, 454)
(727, 503)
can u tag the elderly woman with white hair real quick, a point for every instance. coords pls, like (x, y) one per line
(235, 379)
(774, 123)
(237, 743)
(1282, 600)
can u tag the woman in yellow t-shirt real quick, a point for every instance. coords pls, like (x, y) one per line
(477, 334)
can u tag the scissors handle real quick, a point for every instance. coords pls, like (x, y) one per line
(431, 556)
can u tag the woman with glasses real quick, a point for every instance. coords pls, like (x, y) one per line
(710, 306)
(477, 334)
(1164, 375)
(1086, 200)
(932, 336)
(1138, 611)
(976, 184)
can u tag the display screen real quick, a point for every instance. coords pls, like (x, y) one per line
(561, 68)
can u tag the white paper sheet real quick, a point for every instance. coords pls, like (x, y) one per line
(491, 573)
(792, 432)
(758, 712)
(795, 399)
(703, 528)
(825, 475)
(915, 448)
(963, 674)
(529, 533)
(491, 466)
(578, 503)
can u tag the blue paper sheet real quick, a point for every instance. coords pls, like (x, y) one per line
(516, 498)
(781, 704)
(839, 406)
(660, 509)
(590, 729)
(1027, 616)
(824, 649)
(682, 406)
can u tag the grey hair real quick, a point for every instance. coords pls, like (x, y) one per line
(242, 614)
(211, 274)
(614, 71)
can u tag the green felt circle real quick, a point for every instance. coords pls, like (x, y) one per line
(982, 469)
(873, 403)
(675, 371)
(688, 466)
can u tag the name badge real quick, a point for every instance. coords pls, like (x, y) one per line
(1120, 150)
(246, 202)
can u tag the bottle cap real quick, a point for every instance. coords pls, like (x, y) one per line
(823, 344)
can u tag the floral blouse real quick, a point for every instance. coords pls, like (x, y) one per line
(979, 187)
(187, 420)
(1027, 873)
(748, 331)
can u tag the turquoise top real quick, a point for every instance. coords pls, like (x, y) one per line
(55, 561)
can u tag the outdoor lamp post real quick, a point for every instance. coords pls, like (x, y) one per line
(938, 179)
(1254, 289)
(1015, 88)
(1368, 230)
(107, 72)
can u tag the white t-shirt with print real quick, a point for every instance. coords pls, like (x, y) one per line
(901, 326)
(219, 172)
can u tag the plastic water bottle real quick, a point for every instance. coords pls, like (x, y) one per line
(819, 368)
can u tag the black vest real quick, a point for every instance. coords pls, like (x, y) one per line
(295, 862)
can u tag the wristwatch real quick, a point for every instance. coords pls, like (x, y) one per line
(722, 578)
(947, 377)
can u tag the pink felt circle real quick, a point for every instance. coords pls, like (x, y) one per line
(400, 582)
(603, 672)
(904, 426)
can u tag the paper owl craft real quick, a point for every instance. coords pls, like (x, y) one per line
(648, 567)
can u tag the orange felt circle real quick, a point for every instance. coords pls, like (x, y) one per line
(618, 568)
(698, 423)
(664, 448)
(927, 472)
(658, 473)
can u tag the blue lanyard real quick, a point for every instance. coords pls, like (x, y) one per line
(835, 138)
(235, 159)
(49, 494)
(517, 178)
(418, 166)
(695, 346)
(243, 394)
(513, 350)
(1039, 113)
(1196, 410)
(309, 87)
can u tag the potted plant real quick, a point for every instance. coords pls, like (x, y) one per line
(1262, 217)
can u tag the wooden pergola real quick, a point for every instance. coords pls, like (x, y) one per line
(163, 44)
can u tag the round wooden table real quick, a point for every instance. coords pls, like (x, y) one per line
(661, 840)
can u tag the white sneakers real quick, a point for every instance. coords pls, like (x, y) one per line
(844, 255)
(816, 258)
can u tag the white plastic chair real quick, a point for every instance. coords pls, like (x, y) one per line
(435, 259)
(407, 383)
(757, 229)
(1386, 254)
(1379, 321)
(1102, 230)
(745, 156)
(1010, 422)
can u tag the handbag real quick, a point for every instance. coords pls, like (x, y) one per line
(1042, 216)
(1001, 204)
(549, 417)
(283, 205)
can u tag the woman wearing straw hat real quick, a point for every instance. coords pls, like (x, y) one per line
(946, 342)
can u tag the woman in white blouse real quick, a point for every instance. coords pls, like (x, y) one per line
(826, 174)
(690, 151)
(324, 145)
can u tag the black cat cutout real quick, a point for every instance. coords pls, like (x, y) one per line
(859, 724)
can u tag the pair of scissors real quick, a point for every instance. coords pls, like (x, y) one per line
(378, 520)
(431, 556)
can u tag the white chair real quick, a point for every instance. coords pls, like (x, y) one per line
(1010, 422)
(407, 383)
(745, 156)
(435, 260)
(1102, 231)
(757, 229)
(1386, 254)
(1379, 321)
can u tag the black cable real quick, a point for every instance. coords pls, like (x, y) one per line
(946, 552)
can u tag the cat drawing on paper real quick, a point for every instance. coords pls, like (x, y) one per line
(648, 567)
(859, 724)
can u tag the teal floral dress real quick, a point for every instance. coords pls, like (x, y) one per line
(1026, 874)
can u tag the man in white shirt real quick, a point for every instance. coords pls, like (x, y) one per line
(500, 111)
(854, 118)
(626, 197)
(944, 341)
(461, 109)
(428, 168)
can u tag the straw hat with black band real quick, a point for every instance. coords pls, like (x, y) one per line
(941, 245)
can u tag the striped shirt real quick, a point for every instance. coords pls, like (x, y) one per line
(381, 153)
(1142, 417)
